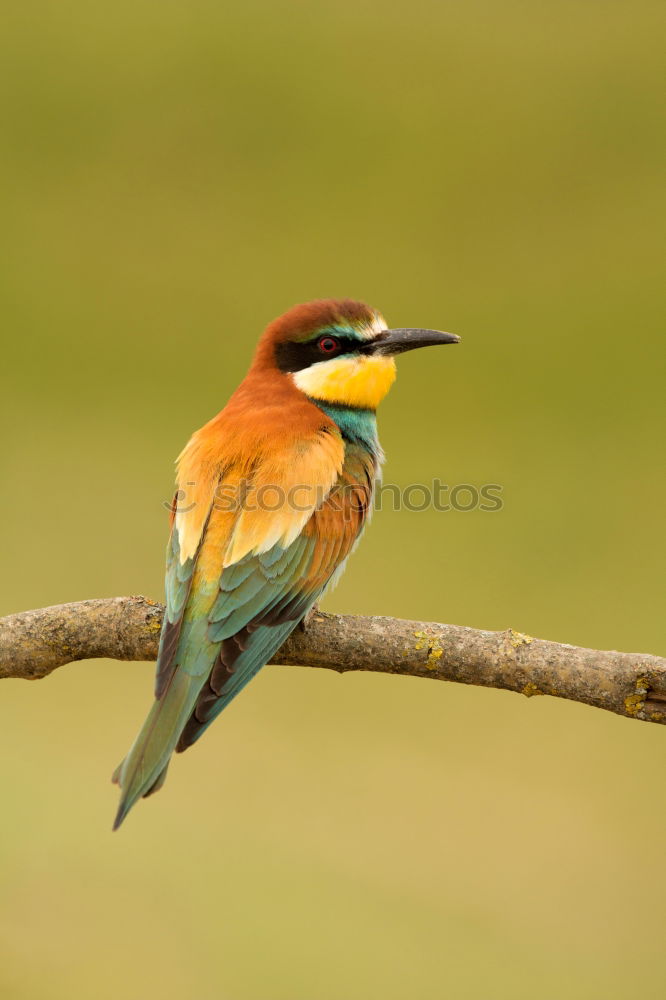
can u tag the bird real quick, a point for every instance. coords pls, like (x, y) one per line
(272, 496)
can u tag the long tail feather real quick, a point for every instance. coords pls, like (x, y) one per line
(144, 769)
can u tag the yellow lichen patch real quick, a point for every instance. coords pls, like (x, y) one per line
(530, 690)
(422, 637)
(435, 650)
(433, 656)
(634, 703)
(518, 638)
(435, 653)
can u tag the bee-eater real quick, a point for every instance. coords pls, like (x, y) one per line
(273, 494)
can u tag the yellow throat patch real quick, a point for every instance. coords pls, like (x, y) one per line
(361, 382)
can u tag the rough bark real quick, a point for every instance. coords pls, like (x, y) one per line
(34, 643)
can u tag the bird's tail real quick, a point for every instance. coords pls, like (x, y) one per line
(144, 769)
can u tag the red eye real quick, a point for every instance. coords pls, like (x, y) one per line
(327, 345)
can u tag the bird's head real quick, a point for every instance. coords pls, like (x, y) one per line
(340, 351)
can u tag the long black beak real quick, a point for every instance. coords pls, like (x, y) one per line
(398, 341)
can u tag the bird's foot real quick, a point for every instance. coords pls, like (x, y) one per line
(314, 613)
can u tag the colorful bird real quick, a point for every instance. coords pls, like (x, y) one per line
(273, 494)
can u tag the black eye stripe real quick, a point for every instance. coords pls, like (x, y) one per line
(293, 356)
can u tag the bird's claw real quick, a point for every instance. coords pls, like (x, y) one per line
(314, 612)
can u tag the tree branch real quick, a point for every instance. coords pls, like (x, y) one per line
(34, 643)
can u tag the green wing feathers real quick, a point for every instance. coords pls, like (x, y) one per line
(223, 623)
(213, 643)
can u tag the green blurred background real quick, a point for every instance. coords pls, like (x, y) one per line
(173, 176)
